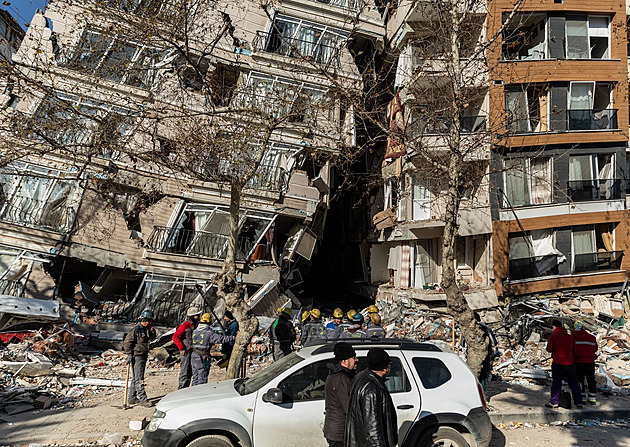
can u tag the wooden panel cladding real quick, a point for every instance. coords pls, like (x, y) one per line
(544, 71)
(501, 250)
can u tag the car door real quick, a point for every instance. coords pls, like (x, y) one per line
(299, 419)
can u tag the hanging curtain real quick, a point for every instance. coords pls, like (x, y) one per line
(605, 179)
(306, 41)
(580, 108)
(577, 38)
(405, 265)
(583, 241)
(607, 237)
(541, 181)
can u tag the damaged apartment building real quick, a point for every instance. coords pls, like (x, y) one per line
(551, 97)
(116, 235)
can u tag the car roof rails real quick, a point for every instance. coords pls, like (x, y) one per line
(366, 343)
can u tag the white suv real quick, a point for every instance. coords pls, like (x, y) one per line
(437, 397)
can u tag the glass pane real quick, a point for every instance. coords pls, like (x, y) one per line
(541, 180)
(520, 247)
(91, 50)
(580, 168)
(516, 179)
(516, 105)
(114, 66)
(583, 241)
(577, 38)
(306, 384)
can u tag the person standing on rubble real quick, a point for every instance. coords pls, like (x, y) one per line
(337, 392)
(585, 355)
(183, 340)
(231, 328)
(314, 330)
(282, 334)
(203, 338)
(375, 329)
(561, 346)
(136, 346)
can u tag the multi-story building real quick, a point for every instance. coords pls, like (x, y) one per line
(11, 35)
(120, 235)
(560, 91)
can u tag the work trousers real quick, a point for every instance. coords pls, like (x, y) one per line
(280, 349)
(586, 371)
(332, 443)
(560, 373)
(185, 371)
(200, 368)
(136, 388)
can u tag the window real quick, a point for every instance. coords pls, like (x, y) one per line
(433, 372)
(593, 248)
(461, 252)
(306, 384)
(528, 181)
(397, 379)
(111, 57)
(425, 263)
(302, 39)
(37, 196)
(526, 108)
(591, 177)
(421, 198)
(294, 101)
(261, 378)
(533, 254)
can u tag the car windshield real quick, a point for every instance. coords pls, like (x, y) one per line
(261, 378)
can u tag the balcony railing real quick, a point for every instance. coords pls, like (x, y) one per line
(565, 120)
(353, 5)
(43, 215)
(268, 179)
(533, 267)
(587, 119)
(320, 52)
(586, 190)
(195, 243)
(595, 262)
(439, 125)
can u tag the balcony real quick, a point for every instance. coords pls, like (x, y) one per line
(563, 121)
(42, 215)
(596, 262)
(587, 190)
(533, 267)
(201, 244)
(352, 5)
(440, 125)
(589, 119)
(308, 50)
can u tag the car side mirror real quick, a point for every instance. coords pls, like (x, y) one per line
(273, 396)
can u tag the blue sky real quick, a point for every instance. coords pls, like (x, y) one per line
(23, 10)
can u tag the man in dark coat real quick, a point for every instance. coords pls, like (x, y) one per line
(136, 346)
(183, 340)
(282, 334)
(337, 392)
(371, 420)
(585, 355)
(561, 346)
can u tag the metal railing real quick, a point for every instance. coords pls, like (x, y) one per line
(438, 125)
(268, 179)
(319, 52)
(38, 214)
(353, 5)
(195, 243)
(594, 262)
(565, 121)
(533, 267)
(597, 189)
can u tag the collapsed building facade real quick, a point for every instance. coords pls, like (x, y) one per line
(121, 236)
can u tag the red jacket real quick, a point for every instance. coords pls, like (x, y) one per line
(561, 346)
(183, 336)
(585, 347)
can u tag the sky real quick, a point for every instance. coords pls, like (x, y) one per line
(22, 10)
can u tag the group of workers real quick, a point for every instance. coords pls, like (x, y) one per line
(313, 329)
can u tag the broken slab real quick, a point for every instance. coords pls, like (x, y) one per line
(97, 382)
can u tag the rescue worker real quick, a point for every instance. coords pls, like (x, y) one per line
(136, 346)
(561, 345)
(347, 324)
(183, 340)
(334, 324)
(304, 319)
(375, 329)
(585, 354)
(372, 311)
(203, 338)
(231, 328)
(314, 330)
(356, 330)
(282, 334)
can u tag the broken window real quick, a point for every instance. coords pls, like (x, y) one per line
(37, 196)
(533, 254)
(303, 39)
(283, 98)
(223, 81)
(593, 248)
(591, 177)
(421, 197)
(116, 59)
(526, 108)
(425, 263)
(524, 37)
(528, 181)
(275, 168)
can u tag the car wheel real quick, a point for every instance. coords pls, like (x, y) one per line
(211, 441)
(443, 437)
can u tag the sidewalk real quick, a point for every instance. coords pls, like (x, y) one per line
(526, 403)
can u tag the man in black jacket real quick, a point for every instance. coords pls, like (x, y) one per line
(337, 390)
(136, 346)
(371, 420)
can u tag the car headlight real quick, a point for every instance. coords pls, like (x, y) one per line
(156, 420)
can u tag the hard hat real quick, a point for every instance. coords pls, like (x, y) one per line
(316, 314)
(376, 319)
(285, 310)
(305, 315)
(372, 309)
(192, 311)
(351, 313)
(147, 314)
(338, 313)
(357, 318)
(206, 318)
(578, 325)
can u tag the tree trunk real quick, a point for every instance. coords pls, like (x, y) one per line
(233, 291)
(455, 299)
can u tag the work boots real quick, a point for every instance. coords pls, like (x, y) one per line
(592, 399)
